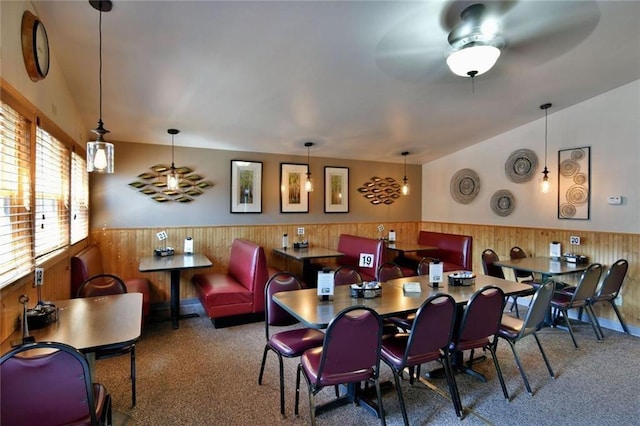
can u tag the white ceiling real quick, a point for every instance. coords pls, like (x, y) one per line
(362, 79)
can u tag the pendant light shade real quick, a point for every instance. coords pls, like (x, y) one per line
(472, 61)
(308, 184)
(173, 178)
(100, 153)
(544, 183)
(406, 189)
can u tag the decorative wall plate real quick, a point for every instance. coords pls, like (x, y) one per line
(465, 186)
(503, 202)
(521, 165)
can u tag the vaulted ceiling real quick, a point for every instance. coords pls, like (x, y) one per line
(362, 79)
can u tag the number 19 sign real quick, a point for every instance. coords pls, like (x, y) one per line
(366, 260)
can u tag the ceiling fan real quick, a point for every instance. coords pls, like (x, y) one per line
(520, 33)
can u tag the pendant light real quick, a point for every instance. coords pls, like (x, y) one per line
(173, 178)
(405, 182)
(99, 152)
(544, 183)
(308, 185)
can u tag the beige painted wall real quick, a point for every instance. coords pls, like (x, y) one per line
(114, 204)
(608, 123)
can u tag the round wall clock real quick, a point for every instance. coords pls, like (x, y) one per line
(35, 46)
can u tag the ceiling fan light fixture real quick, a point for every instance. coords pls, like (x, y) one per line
(473, 60)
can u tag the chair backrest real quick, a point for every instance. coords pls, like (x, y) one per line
(489, 257)
(274, 314)
(588, 283)
(345, 275)
(517, 253)
(423, 265)
(482, 315)
(538, 308)
(102, 285)
(388, 271)
(613, 280)
(351, 346)
(54, 388)
(432, 327)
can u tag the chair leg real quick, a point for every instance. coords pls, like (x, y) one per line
(544, 356)
(520, 366)
(297, 390)
(565, 316)
(594, 322)
(133, 375)
(453, 386)
(396, 377)
(617, 311)
(281, 384)
(383, 420)
(492, 349)
(264, 360)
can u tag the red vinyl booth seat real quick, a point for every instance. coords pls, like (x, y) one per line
(239, 291)
(88, 262)
(454, 251)
(352, 246)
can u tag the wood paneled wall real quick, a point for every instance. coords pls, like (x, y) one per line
(123, 248)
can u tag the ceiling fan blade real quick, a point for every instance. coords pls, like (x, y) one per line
(540, 31)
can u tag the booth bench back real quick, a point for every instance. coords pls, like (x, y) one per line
(352, 246)
(454, 251)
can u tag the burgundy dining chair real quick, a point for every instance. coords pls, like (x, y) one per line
(345, 275)
(479, 329)
(350, 354)
(290, 343)
(53, 388)
(428, 340)
(388, 271)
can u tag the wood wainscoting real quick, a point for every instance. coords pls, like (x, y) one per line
(122, 249)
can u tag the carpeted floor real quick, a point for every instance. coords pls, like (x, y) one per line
(199, 375)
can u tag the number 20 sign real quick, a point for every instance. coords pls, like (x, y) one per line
(366, 260)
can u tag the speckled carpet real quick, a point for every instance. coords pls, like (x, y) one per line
(199, 375)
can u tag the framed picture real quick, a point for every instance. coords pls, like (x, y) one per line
(293, 197)
(336, 189)
(574, 183)
(246, 186)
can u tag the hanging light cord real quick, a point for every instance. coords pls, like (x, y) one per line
(100, 63)
(172, 165)
(545, 137)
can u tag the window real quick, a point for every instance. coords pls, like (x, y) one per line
(16, 230)
(79, 198)
(52, 194)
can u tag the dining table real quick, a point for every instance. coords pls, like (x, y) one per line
(90, 324)
(175, 264)
(306, 255)
(547, 267)
(316, 312)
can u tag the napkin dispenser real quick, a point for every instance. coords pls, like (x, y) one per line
(462, 278)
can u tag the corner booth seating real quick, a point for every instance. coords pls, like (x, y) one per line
(453, 251)
(352, 246)
(238, 295)
(88, 263)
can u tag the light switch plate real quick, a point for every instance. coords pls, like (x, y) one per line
(39, 276)
(300, 231)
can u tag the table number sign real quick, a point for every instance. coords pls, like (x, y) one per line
(366, 260)
(325, 284)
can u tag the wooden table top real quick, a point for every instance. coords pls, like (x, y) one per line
(92, 323)
(177, 261)
(543, 265)
(313, 312)
(308, 253)
(408, 246)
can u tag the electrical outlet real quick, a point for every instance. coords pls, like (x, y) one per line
(39, 277)
(575, 241)
(300, 231)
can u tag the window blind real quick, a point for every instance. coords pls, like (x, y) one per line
(16, 231)
(51, 194)
(79, 198)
